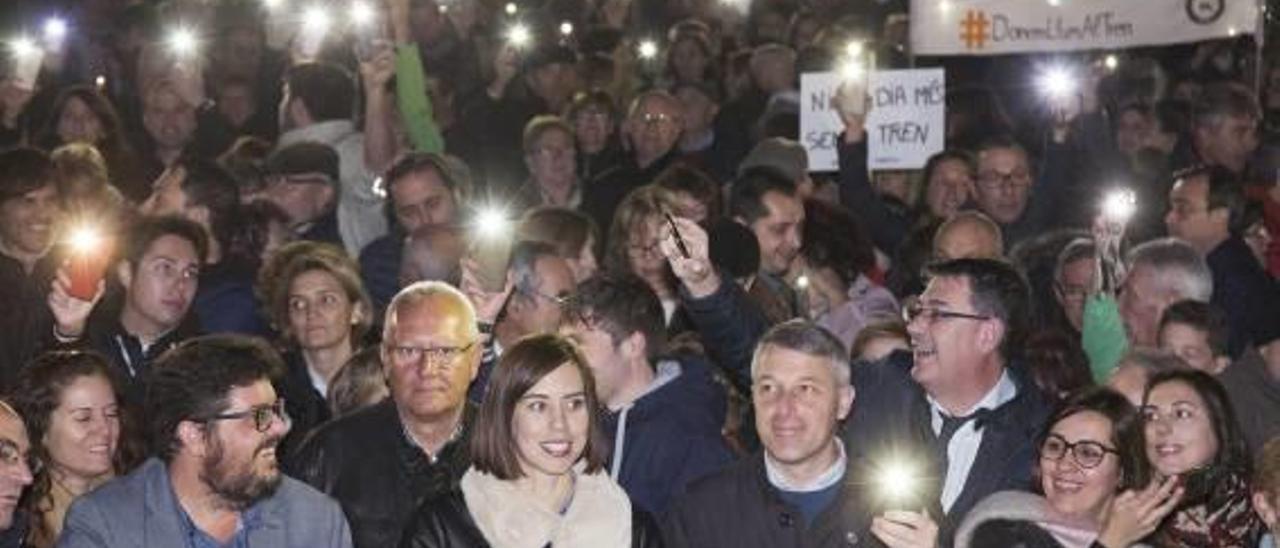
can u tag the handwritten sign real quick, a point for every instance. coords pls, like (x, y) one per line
(906, 123)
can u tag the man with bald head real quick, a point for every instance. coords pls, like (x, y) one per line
(968, 235)
(653, 127)
(15, 475)
(381, 462)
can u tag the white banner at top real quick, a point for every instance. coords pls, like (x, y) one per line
(988, 27)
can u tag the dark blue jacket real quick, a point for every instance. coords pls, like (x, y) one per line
(380, 269)
(671, 434)
(1246, 293)
(225, 302)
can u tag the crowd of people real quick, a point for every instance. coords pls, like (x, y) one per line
(465, 273)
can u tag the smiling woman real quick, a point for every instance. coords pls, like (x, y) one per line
(537, 474)
(70, 404)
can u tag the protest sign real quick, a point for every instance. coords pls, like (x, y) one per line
(906, 123)
(989, 27)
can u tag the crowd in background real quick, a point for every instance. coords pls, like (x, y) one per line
(429, 273)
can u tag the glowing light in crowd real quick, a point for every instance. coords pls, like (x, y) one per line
(272, 4)
(492, 222)
(183, 41)
(55, 29)
(23, 46)
(1111, 62)
(802, 282)
(315, 19)
(897, 481)
(1057, 82)
(85, 239)
(854, 48)
(511, 8)
(853, 69)
(648, 49)
(566, 28)
(519, 35)
(100, 81)
(362, 14)
(1119, 205)
(1055, 3)
(944, 6)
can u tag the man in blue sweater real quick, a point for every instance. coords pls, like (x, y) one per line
(664, 415)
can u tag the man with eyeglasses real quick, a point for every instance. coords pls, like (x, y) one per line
(215, 423)
(552, 161)
(959, 401)
(543, 286)
(159, 268)
(1006, 190)
(16, 471)
(663, 413)
(382, 461)
(653, 127)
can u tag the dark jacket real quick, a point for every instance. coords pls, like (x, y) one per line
(892, 415)
(225, 302)
(380, 268)
(738, 508)
(602, 195)
(1009, 533)
(366, 462)
(16, 535)
(730, 324)
(445, 522)
(672, 434)
(1246, 293)
(1255, 397)
(307, 408)
(27, 322)
(132, 365)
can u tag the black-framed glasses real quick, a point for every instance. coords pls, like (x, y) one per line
(930, 314)
(263, 416)
(1086, 453)
(445, 356)
(11, 455)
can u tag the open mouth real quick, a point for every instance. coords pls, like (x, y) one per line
(1066, 486)
(557, 449)
(1165, 450)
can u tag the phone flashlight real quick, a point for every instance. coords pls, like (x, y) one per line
(519, 36)
(566, 28)
(183, 42)
(27, 59)
(55, 30)
(1111, 62)
(88, 261)
(362, 14)
(854, 48)
(511, 8)
(1057, 82)
(491, 247)
(898, 484)
(1119, 205)
(648, 49)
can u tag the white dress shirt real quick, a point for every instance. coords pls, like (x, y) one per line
(963, 447)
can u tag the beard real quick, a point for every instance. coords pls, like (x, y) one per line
(237, 483)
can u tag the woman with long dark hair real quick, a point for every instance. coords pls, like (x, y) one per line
(81, 114)
(72, 407)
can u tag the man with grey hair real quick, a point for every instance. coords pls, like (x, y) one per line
(1161, 272)
(1224, 127)
(653, 127)
(542, 285)
(381, 462)
(799, 487)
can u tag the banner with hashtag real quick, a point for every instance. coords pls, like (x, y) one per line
(991, 27)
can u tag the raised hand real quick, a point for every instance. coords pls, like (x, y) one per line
(70, 314)
(695, 271)
(488, 304)
(1135, 514)
(905, 529)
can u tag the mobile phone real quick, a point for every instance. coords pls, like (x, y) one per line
(87, 264)
(684, 249)
(492, 240)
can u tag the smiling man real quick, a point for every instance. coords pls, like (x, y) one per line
(15, 476)
(215, 423)
(28, 212)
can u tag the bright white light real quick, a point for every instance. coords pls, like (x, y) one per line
(1231, 31)
(1057, 82)
(85, 239)
(853, 70)
(566, 28)
(272, 4)
(511, 8)
(1054, 3)
(648, 49)
(492, 222)
(854, 48)
(1119, 205)
(23, 46)
(1111, 62)
(897, 481)
(362, 14)
(444, 8)
(55, 29)
(183, 41)
(944, 6)
(100, 81)
(802, 282)
(518, 35)
(315, 19)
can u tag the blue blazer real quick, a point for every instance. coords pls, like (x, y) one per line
(140, 510)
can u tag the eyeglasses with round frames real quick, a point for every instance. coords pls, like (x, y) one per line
(263, 416)
(1086, 453)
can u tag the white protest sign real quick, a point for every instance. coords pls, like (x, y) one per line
(988, 27)
(905, 126)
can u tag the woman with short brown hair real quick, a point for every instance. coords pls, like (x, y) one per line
(537, 476)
